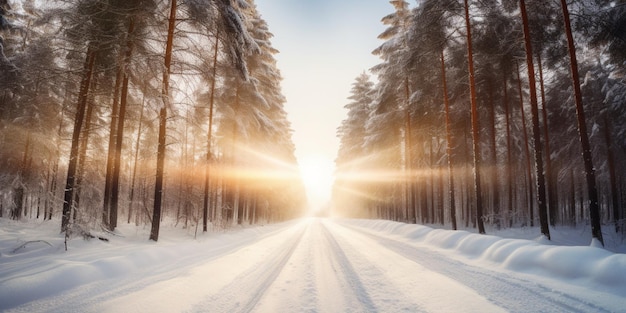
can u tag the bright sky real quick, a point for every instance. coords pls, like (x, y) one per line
(324, 45)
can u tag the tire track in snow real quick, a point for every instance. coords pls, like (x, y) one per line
(350, 274)
(253, 283)
(296, 288)
(396, 284)
(511, 293)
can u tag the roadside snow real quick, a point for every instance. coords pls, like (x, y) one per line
(39, 271)
(586, 266)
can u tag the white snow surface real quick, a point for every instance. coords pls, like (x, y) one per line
(307, 265)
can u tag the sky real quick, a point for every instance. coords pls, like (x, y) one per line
(324, 45)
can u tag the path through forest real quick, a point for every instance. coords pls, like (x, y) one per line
(313, 265)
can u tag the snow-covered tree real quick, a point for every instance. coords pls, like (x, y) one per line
(352, 157)
(388, 127)
(432, 44)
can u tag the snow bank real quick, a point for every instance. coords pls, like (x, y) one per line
(581, 265)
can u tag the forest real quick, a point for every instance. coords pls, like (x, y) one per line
(491, 114)
(133, 111)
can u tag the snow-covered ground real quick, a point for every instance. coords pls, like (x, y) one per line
(308, 265)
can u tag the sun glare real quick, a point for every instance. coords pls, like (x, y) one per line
(317, 176)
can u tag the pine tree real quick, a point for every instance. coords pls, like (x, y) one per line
(592, 191)
(475, 125)
(392, 102)
(539, 172)
(165, 94)
(352, 156)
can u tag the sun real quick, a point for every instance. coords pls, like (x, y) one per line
(317, 177)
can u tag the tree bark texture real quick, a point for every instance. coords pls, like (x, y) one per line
(590, 175)
(475, 126)
(540, 178)
(158, 185)
(68, 199)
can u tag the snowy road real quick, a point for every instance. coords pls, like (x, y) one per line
(316, 265)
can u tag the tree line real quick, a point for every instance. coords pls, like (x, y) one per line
(491, 113)
(137, 110)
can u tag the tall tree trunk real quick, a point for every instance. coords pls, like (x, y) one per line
(410, 206)
(215, 185)
(431, 165)
(541, 181)
(446, 102)
(553, 202)
(131, 196)
(590, 175)
(615, 205)
(119, 137)
(39, 196)
(82, 156)
(468, 190)
(509, 163)
(420, 190)
(495, 184)
(440, 201)
(475, 125)
(205, 207)
(45, 192)
(235, 189)
(52, 192)
(158, 186)
(68, 200)
(531, 202)
(111, 150)
(181, 204)
(189, 184)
